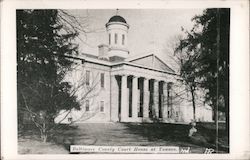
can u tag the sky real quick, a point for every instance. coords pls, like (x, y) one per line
(151, 30)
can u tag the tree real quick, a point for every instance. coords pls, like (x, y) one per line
(187, 63)
(202, 42)
(44, 40)
(188, 74)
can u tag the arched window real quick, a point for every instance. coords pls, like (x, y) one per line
(115, 38)
(123, 39)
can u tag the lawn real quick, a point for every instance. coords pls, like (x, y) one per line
(122, 134)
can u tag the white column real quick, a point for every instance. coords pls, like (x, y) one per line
(145, 98)
(114, 99)
(124, 99)
(135, 97)
(156, 99)
(165, 101)
(170, 100)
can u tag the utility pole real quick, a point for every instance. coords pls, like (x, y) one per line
(217, 80)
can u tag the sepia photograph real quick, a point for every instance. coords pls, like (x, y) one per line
(125, 80)
(123, 77)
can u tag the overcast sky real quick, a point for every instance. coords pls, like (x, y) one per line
(150, 29)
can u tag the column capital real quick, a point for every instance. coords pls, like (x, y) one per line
(156, 80)
(122, 74)
(161, 80)
(135, 76)
(165, 82)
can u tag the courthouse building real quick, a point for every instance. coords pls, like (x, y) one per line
(119, 88)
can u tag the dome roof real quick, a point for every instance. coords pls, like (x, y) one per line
(117, 18)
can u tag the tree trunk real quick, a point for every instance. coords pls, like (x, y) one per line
(44, 134)
(217, 79)
(193, 103)
(44, 137)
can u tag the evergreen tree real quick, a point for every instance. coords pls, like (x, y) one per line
(200, 44)
(43, 40)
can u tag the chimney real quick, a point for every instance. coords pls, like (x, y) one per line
(103, 50)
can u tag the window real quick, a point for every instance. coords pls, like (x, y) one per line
(70, 119)
(168, 114)
(87, 77)
(123, 39)
(102, 106)
(109, 38)
(102, 80)
(115, 38)
(87, 105)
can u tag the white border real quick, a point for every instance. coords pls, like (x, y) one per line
(239, 73)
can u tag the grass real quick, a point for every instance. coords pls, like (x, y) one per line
(176, 134)
(122, 134)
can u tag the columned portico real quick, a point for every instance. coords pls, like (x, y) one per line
(142, 98)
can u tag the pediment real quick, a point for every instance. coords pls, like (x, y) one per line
(151, 61)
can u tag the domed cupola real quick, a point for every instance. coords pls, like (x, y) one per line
(117, 18)
(117, 29)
